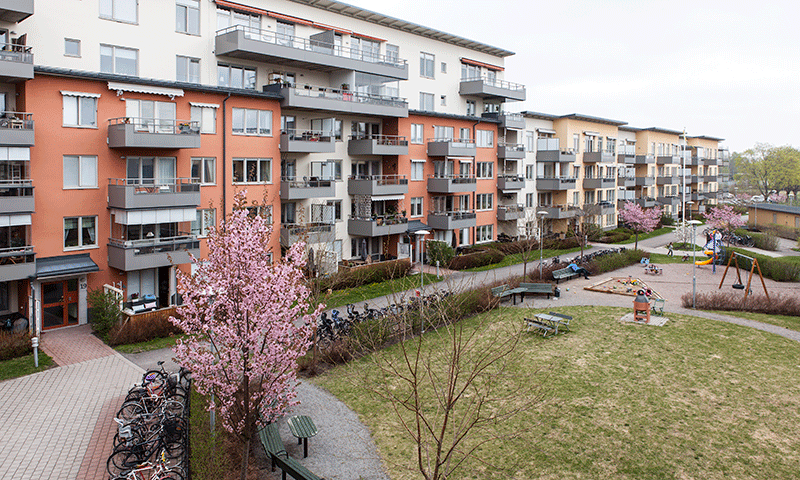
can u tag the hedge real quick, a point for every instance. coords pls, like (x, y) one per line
(355, 277)
(777, 268)
(13, 345)
(477, 259)
(776, 304)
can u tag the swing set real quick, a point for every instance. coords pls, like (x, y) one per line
(753, 266)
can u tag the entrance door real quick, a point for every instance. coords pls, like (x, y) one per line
(60, 303)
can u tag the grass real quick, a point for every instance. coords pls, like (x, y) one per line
(516, 258)
(644, 236)
(146, 346)
(696, 398)
(209, 451)
(367, 292)
(21, 366)
(785, 321)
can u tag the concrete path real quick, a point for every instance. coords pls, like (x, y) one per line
(58, 424)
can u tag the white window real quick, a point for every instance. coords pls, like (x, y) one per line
(529, 200)
(471, 109)
(119, 10)
(426, 101)
(72, 47)
(530, 172)
(444, 67)
(576, 142)
(204, 170)
(206, 116)
(392, 53)
(483, 233)
(484, 201)
(80, 171)
(79, 110)
(252, 122)
(530, 141)
(187, 16)
(252, 170)
(285, 33)
(417, 132)
(426, 65)
(236, 77)
(442, 133)
(484, 138)
(470, 72)
(187, 69)
(416, 207)
(485, 169)
(80, 232)
(417, 169)
(119, 60)
(364, 49)
(151, 116)
(205, 218)
(337, 209)
(443, 100)
(151, 170)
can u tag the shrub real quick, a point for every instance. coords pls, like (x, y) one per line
(615, 237)
(593, 232)
(740, 209)
(143, 327)
(518, 246)
(765, 241)
(776, 304)
(782, 231)
(14, 344)
(615, 261)
(439, 251)
(105, 312)
(667, 220)
(355, 277)
(778, 269)
(478, 259)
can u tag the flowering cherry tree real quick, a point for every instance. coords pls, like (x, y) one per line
(723, 218)
(247, 322)
(640, 220)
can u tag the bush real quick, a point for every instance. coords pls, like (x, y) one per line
(518, 246)
(478, 259)
(14, 344)
(781, 231)
(105, 312)
(776, 304)
(667, 220)
(439, 251)
(765, 241)
(593, 232)
(740, 209)
(143, 327)
(615, 237)
(355, 277)
(615, 261)
(778, 269)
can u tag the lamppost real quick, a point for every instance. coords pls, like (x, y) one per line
(689, 204)
(420, 242)
(683, 191)
(542, 213)
(694, 224)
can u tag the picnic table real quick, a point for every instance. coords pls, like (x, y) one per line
(548, 323)
(303, 428)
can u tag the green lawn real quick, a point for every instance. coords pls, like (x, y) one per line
(696, 398)
(516, 258)
(146, 346)
(367, 292)
(644, 236)
(785, 321)
(21, 366)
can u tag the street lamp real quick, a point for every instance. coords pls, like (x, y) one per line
(541, 229)
(683, 191)
(421, 236)
(689, 204)
(694, 224)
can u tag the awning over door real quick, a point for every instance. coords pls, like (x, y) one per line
(65, 265)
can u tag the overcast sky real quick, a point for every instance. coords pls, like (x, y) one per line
(728, 69)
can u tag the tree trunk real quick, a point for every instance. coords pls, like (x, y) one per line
(245, 458)
(636, 243)
(248, 425)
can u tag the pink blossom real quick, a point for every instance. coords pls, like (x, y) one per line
(723, 218)
(640, 220)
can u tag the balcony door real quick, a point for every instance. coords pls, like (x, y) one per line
(151, 170)
(60, 303)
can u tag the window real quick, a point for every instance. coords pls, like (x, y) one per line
(263, 211)
(187, 16)
(530, 172)
(484, 138)
(417, 133)
(463, 134)
(469, 72)
(288, 212)
(327, 170)
(337, 209)
(426, 65)
(79, 110)
(576, 142)
(484, 201)
(80, 171)
(151, 116)
(252, 122)
(529, 200)
(392, 53)
(530, 141)
(206, 116)
(72, 47)
(442, 133)
(80, 232)
(444, 67)
(119, 10)
(483, 233)
(205, 218)
(416, 207)
(188, 69)
(252, 170)
(285, 33)
(119, 60)
(485, 169)
(236, 77)
(426, 101)
(417, 169)
(471, 109)
(151, 170)
(204, 170)
(443, 100)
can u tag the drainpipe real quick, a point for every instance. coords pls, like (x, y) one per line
(224, 156)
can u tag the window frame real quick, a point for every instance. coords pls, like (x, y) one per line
(79, 99)
(484, 201)
(417, 128)
(245, 161)
(74, 41)
(184, 4)
(427, 62)
(423, 99)
(199, 119)
(114, 49)
(417, 207)
(113, 16)
(481, 168)
(81, 185)
(244, 69)
(80, 245)
(245, 119)
(187, 68)
(412, 174)
(202, 162)
(484, 138)
(484, 233)
(202, 230)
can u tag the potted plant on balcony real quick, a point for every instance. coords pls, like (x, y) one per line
(345, 86)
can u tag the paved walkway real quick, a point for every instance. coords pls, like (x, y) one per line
(58, 424)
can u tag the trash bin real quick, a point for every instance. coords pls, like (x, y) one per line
(557, 292)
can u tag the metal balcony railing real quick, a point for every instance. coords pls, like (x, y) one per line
(347, 96)
(293, 182)
(382, 179)
(497, 83)
(157, 245)
(389, 140)
(513, 147)
(158, 125)
(17, 255)
(16, 188)
(302, 135)
(12, 52)
(145, 186)
(456, 142)
(16, 120)
(455, 215)
(455, 178)
(511, 208)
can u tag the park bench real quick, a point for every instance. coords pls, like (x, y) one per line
(273, 445)
(541, 326)
(658, 306)
(546, 288)
(504, 291)
(294, 469)
(562, 320)
(564, 273)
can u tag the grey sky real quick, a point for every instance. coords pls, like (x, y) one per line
(727, 69)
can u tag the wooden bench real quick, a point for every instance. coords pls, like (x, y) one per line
(564, 273)
(294, 469)
(546, 288)
(272, 442)
(563, 320)
(503, 291)
(541, 326)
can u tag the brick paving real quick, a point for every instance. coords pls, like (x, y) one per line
(73, 345)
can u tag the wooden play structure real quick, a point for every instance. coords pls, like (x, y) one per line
(753, 266)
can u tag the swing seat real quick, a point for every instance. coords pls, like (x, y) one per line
(738, 286)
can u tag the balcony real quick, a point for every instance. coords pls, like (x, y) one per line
(448, 147)
(510, 182)
(558, 212)
(697, 197)
(127, 255)
(627, 154)
(16, 62)
(602, 208)
(132, 194)
(309, 233)
(645, 159)
(598, 157)
(16, 129)
(669, 200)
(294, 189)
(16, 197)
(307, 141)
(507, 213)
(710, 178)
(668, 180)
(451, 184)
(451, 220)
(698, 161)
(548, 150)
(485, 87)
(645, 181)
(377, 185)
(509, 121)
(555, 183)
(626, 181)
(511, 151)
(329, 99)
(15, 11)
(605, 182)
(691, 179)
(376, 226)
(17, 263)
(662, 159)
(646, 202)
(318, 52)
(377, 145)
(130, 132)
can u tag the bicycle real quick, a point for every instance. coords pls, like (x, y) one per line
(159, 471)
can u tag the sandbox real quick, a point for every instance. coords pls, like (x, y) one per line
(622, 286)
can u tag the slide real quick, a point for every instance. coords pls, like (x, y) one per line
(704, 262)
